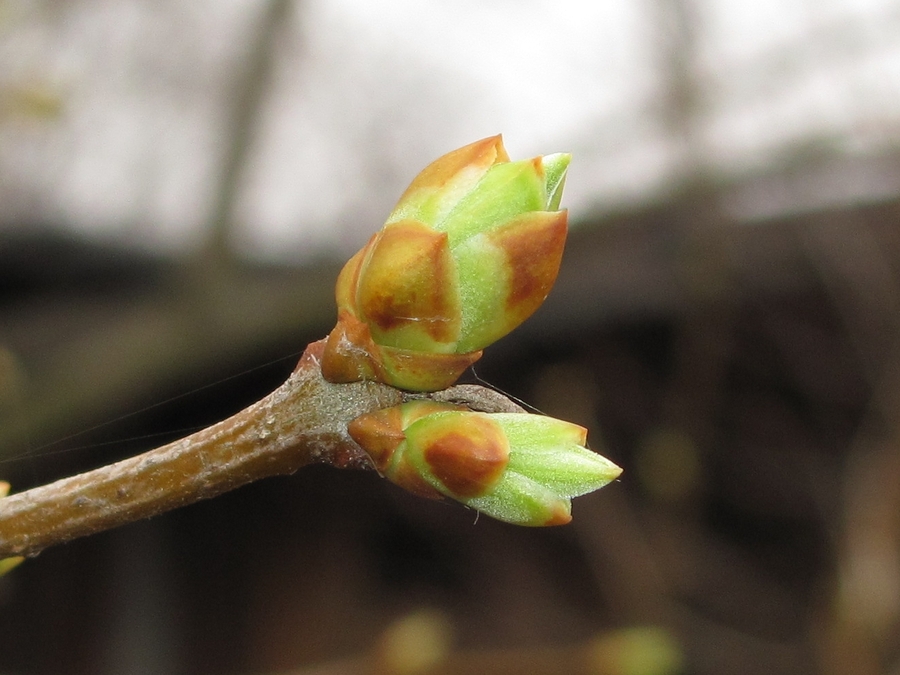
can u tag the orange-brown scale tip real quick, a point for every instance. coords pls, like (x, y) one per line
(378, 433)
(347, 355)
(533, 245)
(409, 281)
(483, 153)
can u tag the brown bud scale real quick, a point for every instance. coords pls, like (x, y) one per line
(469, 462)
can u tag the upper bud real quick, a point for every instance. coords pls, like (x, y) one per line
(469, 252)
(519, 468)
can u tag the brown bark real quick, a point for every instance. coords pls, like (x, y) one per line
(304, 421)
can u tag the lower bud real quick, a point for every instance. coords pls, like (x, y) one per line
(519, 468)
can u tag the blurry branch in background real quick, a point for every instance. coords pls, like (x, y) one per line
(856, 629)
(250, 87)
(858, 626)
(681, 106)
(656, 560)
(702, 348)
(190, 321)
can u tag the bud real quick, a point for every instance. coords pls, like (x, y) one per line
(520, 468)
(470, 251)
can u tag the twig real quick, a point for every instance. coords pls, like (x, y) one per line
(302, 422)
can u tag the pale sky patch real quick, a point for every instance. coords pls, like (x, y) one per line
(365, 94)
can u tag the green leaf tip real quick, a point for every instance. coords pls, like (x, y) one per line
(555, 169)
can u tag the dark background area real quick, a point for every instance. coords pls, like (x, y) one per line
(755, 419)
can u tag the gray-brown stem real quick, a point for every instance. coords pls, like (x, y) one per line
(304, 421)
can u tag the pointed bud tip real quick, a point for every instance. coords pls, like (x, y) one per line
(555, 168)
(556, 163)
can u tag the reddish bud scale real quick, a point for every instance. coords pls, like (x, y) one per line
(468, 456)
(534, 252)
(381, 435)
(452, 168)
(409, 283)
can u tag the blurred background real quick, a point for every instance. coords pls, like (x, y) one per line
(179, 185)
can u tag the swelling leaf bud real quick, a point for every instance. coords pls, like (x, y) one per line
(470, 251)
(516, 467)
